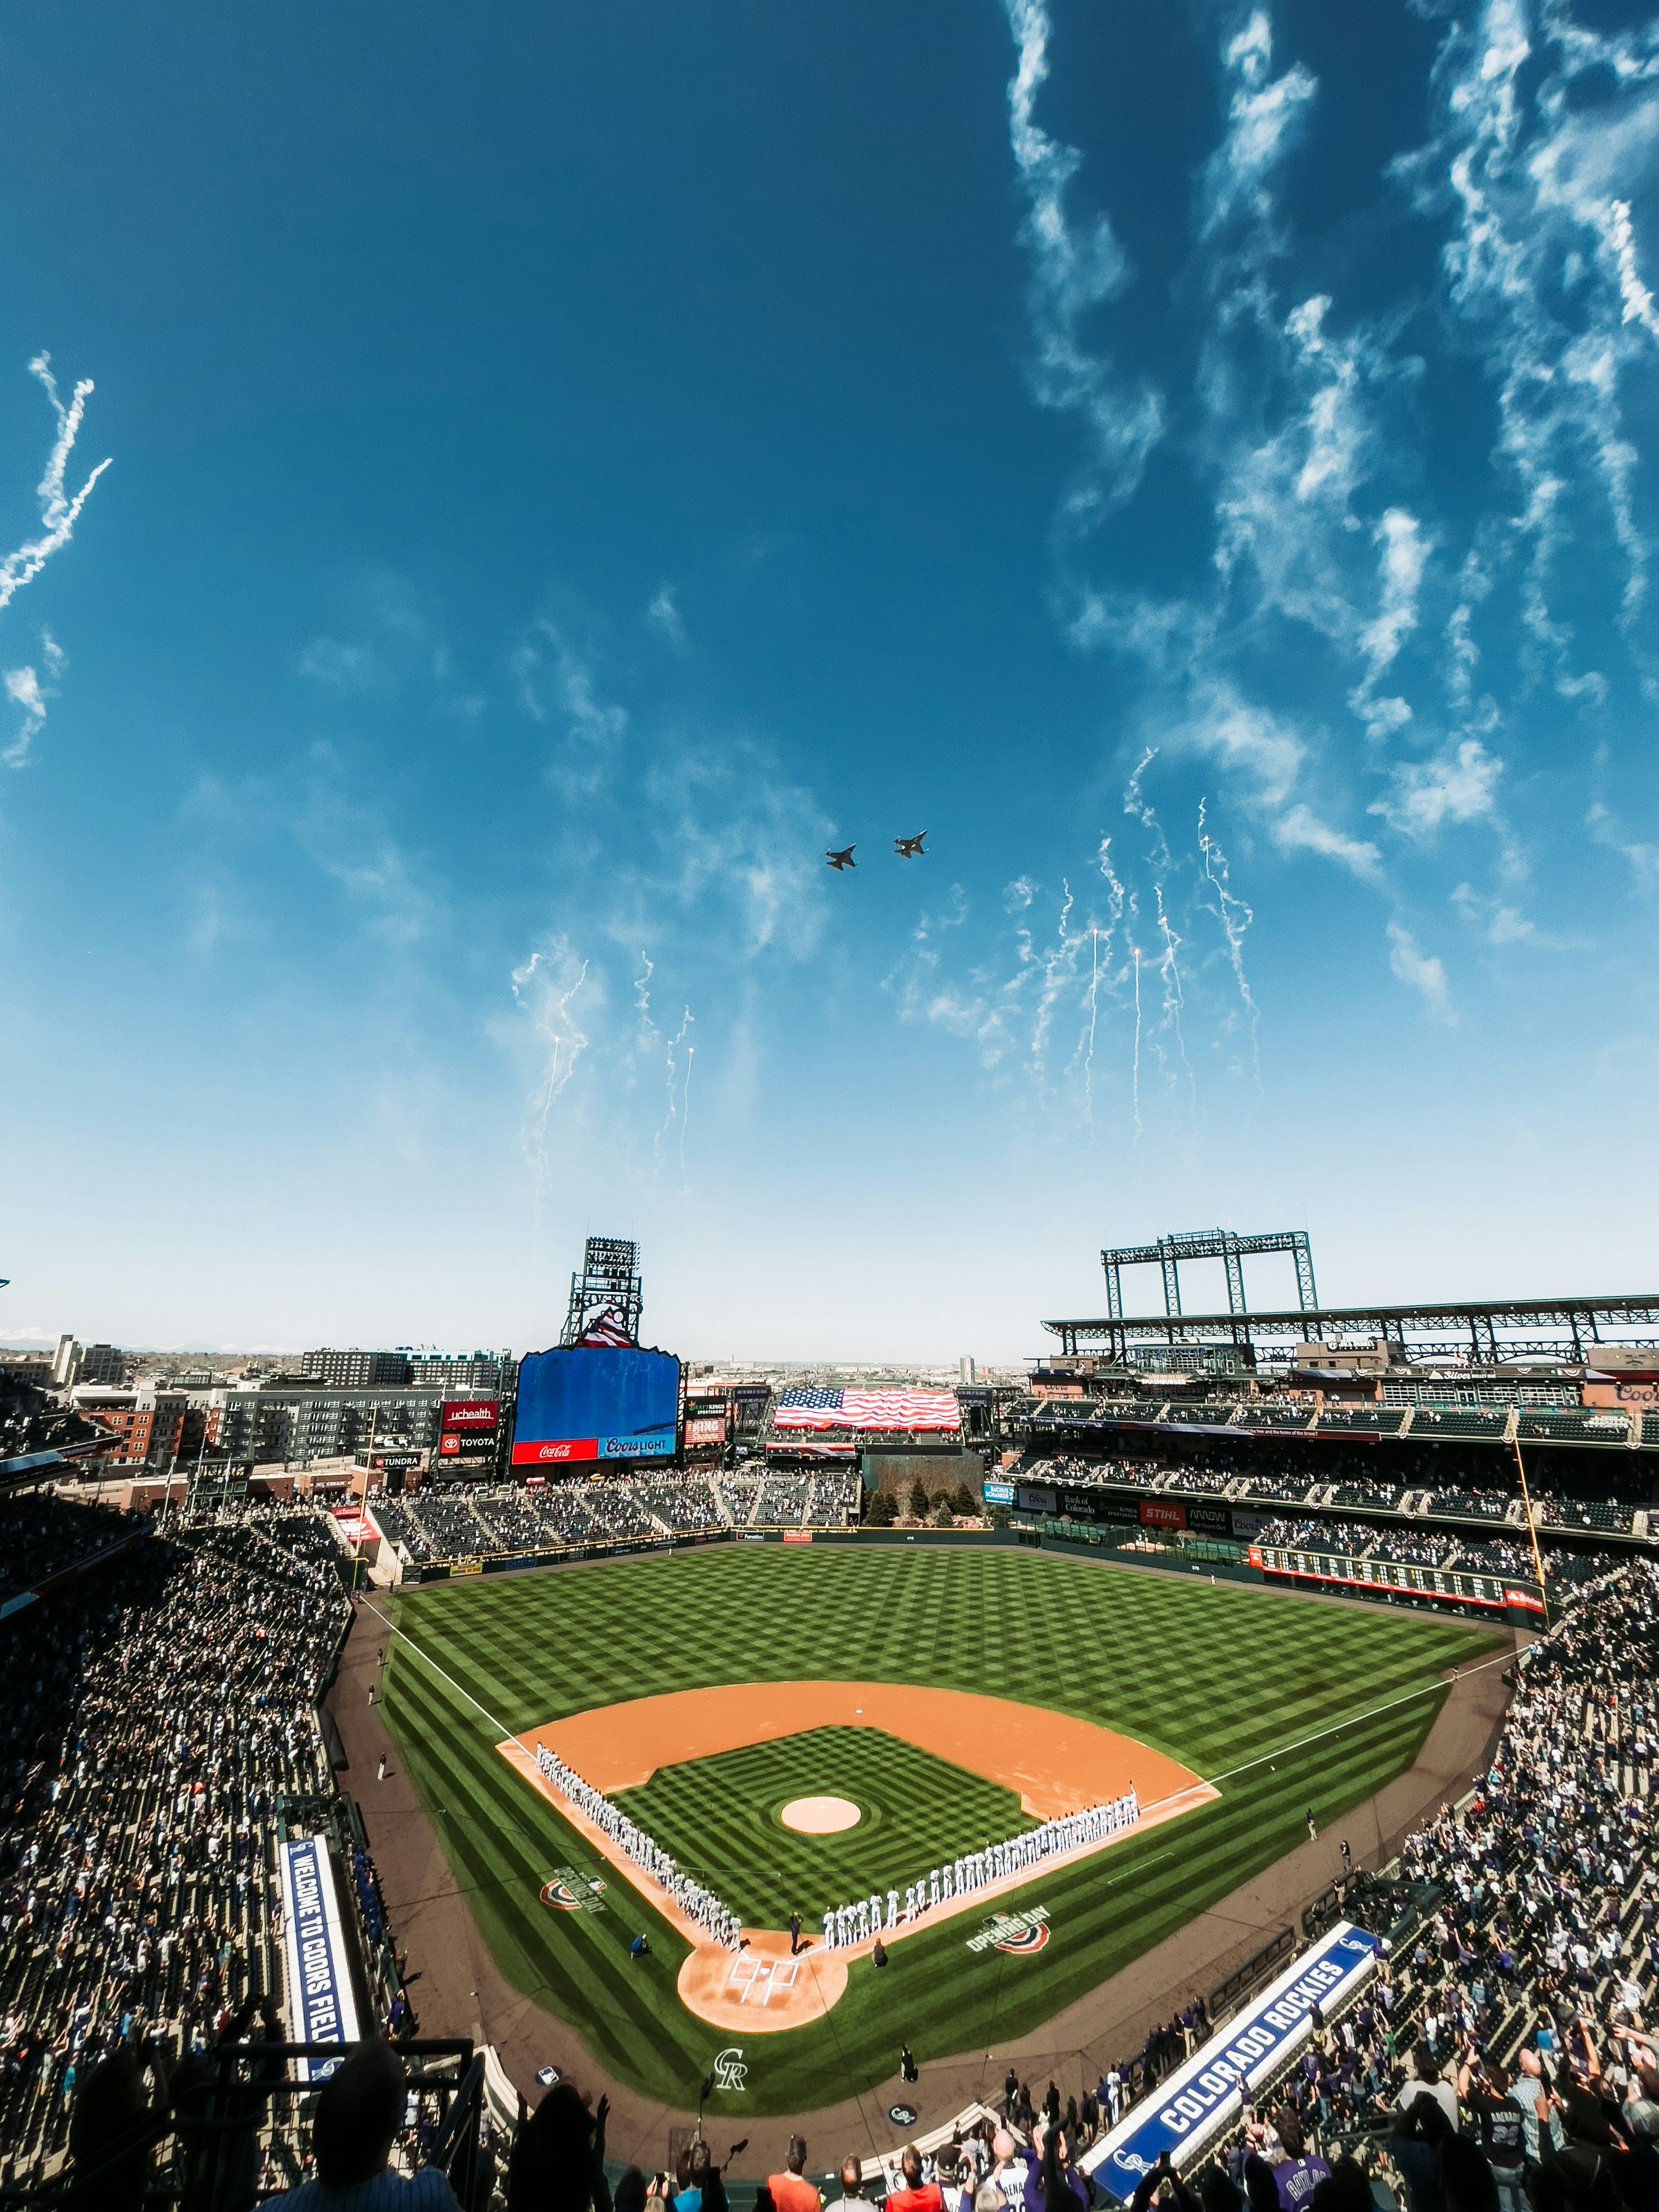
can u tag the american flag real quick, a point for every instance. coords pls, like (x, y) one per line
(866, 1409)
(608, 1332)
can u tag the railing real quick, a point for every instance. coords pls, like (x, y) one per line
(1228, 1995)
(203, 2151)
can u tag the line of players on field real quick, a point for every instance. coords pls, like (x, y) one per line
(701, 1905)
(848, 1925)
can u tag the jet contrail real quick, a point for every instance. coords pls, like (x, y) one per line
(59, 514)
(1135, 1092)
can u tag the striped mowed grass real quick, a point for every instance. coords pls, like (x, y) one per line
(1285, 1704)
(719, 1817)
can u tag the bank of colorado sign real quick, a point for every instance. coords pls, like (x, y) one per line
(1203, 2096)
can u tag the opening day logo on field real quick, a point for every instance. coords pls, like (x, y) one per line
(1015, 1932)
(570, 1892)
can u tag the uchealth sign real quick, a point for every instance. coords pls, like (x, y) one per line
(1203, 2095)
(470, 1413)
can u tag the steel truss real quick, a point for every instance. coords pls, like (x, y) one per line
(1223, 1244)
(1483, 1334)
(609, 1283)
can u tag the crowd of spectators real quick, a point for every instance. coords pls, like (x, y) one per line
(40, 1535)
(1501, 2058)
(152, 1725)
(465, 1523)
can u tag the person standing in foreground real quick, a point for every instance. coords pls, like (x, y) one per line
(852, 2188)
(915, 2196)
(791, 2192)
(794, 1933)
(359, 2109)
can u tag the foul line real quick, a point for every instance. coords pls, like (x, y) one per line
(436, 1668)
(1350, 1720)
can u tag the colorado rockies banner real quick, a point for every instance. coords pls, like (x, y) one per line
(1200, 2097)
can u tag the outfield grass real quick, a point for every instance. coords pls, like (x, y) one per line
(719, 1817)
(1226, 1680)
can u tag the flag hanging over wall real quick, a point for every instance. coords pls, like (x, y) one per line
(866, 1409)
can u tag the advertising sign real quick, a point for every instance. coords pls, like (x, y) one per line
(1203, 2096)
(998, 1493)
(1212, 1519)
(396, 1462)
(321, 2006)
(1034, 1498)
(1162, 1513)
(596, 1402)
(706, 1429)
(471, 1414)
(461, 1445)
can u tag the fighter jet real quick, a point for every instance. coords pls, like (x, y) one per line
(909, 849)
(842, 860)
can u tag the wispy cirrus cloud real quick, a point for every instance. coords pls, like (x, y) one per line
(28, 689)
(1076, 266)
(1367, 641)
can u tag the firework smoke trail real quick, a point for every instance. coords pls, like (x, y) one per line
(1235, 917)
(1135, 1078)
(1089, 1057)
(1173, 1002)
(685, 1105)
(554, 1021)
(674, 1111)
(1057, 965)
(642, 1000)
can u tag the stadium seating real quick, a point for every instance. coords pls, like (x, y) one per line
(41, 1536)
(159, 1714)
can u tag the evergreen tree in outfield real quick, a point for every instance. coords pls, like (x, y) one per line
(919, 1499)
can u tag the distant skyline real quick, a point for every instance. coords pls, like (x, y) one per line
(486, 501)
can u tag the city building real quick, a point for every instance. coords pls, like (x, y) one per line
(280, 1421)
(101, 1363)
(357, 1370)
(153, 1428)
(461, 1371)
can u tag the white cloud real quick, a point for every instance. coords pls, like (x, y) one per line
(1499, 923)
(1073, 269)
(1643, 856)
(663, 610)
(1423, 971)
(26, 689)
(1458, 786)
(1263, 120)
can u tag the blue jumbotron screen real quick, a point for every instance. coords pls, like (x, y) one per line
(596, 1402)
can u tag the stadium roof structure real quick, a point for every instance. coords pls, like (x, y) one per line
(1483, 1333)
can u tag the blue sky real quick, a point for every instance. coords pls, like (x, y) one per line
(566, 468)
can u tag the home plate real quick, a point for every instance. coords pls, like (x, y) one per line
(820, 1816)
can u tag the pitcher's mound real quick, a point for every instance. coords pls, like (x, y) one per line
(820, 1816)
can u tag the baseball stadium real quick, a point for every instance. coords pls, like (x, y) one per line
(1132, 1766)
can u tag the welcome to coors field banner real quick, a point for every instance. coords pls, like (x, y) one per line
(1203, 2095)
(320, 2005)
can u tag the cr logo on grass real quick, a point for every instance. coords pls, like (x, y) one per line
(1016, 1932)
(730, 2072)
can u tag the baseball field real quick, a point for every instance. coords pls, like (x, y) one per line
(1277, 1702)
